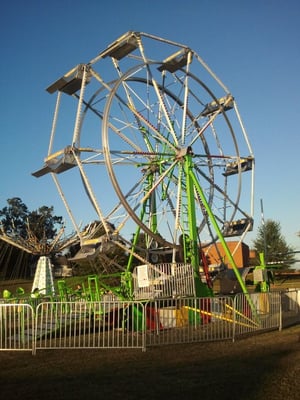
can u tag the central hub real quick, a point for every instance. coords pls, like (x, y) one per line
(183, 152)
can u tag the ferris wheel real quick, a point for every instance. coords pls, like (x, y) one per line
(159, 145)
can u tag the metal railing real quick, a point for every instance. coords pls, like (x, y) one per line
(111, 323)
(290, 307)
(83, 325)
(265, 315)
(188, 320)
(17, 327)
(164, 280)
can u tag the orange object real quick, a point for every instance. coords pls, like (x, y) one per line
(239, 251)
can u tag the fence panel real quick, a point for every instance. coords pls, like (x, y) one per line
(16, 327)
(119, 324)
(164, 280)
(74, 325)
(188, 320)
(255, 312)
(290, 301)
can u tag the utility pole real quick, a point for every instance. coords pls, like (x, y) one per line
(264, 229)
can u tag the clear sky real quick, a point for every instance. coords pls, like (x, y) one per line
(253, 46)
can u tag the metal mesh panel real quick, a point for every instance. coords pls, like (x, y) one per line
(168, 280)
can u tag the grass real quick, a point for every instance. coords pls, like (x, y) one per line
(256, 368)
(260, 367)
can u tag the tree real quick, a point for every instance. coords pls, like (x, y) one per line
(29, 232)
(13, 217)
(43, 223)
(18, 221)
(271, 242)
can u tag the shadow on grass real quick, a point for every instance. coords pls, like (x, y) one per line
(203, 371)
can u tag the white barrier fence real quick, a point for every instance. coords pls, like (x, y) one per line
(136, 324)
(190, 320)
(84, 325)
(262, 312)
(17, 327)
(290, 307)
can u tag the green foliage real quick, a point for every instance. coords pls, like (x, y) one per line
(32, 229)
(13, 217)
(43, 223)
(17, 220)
(270, 241)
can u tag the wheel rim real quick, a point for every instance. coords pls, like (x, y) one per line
(143, 154)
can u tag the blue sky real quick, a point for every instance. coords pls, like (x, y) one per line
(253, 46)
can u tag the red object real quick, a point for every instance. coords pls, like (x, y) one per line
(152, 319)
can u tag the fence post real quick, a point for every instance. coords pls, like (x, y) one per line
(280, 312)
(234, 319)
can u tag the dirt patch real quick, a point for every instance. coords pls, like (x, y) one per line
(266, 366)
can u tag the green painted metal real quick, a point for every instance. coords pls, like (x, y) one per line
(264, 285)
(202, 289)
(94, 288)
(134, 243)
(150, 203)
(222, 240)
